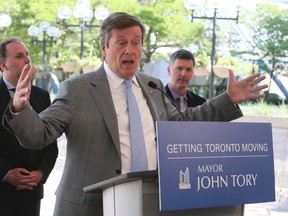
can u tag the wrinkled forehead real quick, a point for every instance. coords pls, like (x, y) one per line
(131, 32)
(15, 48)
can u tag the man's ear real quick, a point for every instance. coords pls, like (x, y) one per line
(168, 70)
(2, 65)
(103, 50)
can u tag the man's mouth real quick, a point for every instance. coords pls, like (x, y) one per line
(182, 80)
(128, 62)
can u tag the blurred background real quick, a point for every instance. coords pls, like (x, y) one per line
(247, 36)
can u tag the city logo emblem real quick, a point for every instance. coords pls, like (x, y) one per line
(184, 179)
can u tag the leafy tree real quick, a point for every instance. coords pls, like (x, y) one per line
(166, 25)
(270, 36)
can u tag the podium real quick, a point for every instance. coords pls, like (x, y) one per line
(215, 173)
(137, 194)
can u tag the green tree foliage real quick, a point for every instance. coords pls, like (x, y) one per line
(166, 25)
(270, 35)
(270, 32)
(166, 22)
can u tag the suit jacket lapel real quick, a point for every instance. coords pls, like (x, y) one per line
(4, 96)
(102, 97)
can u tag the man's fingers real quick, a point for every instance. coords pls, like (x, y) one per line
(24, 72)
(28, 182)
(257, 96)
(259, 79)
(254, 84)
(259, 88)
(231, 74)
(23, 88)
(252, 77)
(255, 79)
(26, 76)
(20, 99)
(24, 187)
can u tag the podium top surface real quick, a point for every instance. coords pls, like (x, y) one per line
(146, 176)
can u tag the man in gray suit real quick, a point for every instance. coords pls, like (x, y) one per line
(91, 109)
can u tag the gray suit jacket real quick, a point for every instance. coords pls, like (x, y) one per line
(84, 110)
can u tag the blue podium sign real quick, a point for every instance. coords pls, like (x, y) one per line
(209, 164)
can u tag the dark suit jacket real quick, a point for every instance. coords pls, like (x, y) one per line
(193, 99)
(13, 155)
(84, 110)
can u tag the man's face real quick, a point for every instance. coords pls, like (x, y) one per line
(180, 73)
(17, 56)
(123, 55)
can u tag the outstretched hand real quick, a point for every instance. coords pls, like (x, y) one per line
(246, 89)
(23, 89)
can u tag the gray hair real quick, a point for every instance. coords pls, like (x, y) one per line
(182, 54)
(118, 20)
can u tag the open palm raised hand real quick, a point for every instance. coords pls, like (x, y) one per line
(246, 89)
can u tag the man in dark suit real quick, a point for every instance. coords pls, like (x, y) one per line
(92, 110)
(180, 71)
(22, 171)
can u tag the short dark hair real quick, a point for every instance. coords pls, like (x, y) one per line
(118, 20)
(3, 45)
(182, 54)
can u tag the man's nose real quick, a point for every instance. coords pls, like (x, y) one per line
(28, 59)
(129, 49)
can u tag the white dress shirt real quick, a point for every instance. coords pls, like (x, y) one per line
(9, 86)
(118, 90)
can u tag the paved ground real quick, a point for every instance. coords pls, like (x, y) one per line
(277, 208)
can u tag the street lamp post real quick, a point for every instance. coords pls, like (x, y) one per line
(46, 29)
(83, 12)
(190, 5)
(52, 32)
(5, 22)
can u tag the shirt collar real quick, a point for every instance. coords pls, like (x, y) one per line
(8, 84)
(114, 80)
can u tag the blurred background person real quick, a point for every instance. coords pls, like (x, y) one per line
(180, 71)
(22, 171)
